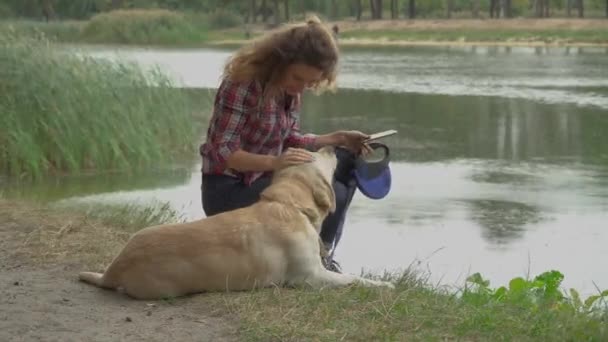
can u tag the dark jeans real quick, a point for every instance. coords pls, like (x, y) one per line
(222, 193)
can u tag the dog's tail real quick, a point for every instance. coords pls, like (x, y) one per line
(92, 278)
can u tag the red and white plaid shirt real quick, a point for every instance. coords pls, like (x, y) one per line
(241, 121)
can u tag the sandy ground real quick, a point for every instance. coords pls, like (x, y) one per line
(45, 302)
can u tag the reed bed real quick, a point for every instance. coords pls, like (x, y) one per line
(66, 113)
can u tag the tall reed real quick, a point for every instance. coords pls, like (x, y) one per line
(61, 112)
(153, 26)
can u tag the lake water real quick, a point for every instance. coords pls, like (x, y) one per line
(500, 165)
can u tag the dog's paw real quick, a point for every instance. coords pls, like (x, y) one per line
(380, 283)
(387, 284)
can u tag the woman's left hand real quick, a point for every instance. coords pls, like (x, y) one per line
(354, 141)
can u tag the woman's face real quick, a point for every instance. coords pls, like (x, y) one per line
(299, 76)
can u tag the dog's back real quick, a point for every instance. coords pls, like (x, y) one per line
(234, 250)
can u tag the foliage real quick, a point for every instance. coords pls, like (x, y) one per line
(142, 27)
(62, 112)
(417, 311)
(220, 19)
(541, 293)
(84, 9)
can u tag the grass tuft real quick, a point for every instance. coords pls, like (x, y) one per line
(67, 113)
(147, 27)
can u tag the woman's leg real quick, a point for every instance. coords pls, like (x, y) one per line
(220, 193)
(345, 187)
(223, 193)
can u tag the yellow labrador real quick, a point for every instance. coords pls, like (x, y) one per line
(272, 242)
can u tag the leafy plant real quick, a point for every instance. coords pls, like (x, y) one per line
(542, 292)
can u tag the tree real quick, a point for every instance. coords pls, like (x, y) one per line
(449, 7)
(264, 10)
(253, 13)
(411, 9)
(334, 9)
(376, 7)
(395, 9)
(475, 8)
(275, 12)
(507, 9)
(494, 8)
(286, 4)
(47, 10)
(116, 4)
(358, 9)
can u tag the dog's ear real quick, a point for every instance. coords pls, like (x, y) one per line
(324, 195)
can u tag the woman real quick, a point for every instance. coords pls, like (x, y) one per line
(254, 129)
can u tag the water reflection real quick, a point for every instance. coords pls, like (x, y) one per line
(437, 127)
(503, 221)
(57, 188)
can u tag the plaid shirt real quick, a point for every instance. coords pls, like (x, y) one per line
(241, 121)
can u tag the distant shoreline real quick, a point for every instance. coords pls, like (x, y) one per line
(361, 42)
(518, 32)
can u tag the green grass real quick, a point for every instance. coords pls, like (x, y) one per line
(64, 31)
(127, 27)
(62, 113)
(414, 311)
(144, 27)
(486, 35)
(128, 217)
(534, 309)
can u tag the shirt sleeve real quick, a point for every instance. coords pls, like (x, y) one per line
(295, 137)
(233, 106)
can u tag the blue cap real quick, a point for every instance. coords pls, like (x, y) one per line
(374, 177)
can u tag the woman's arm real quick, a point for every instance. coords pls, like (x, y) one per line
(332, 139)
(242, 161)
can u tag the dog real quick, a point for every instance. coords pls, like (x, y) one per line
(273, 242)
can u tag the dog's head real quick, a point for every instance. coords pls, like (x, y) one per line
(307, 186)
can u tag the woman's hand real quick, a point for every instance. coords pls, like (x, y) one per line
(354, 141)
(292, 156)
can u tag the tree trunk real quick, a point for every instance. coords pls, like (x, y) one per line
(334, 9)
(264, 12)
(507, 9)
(581, 9)
(376, 7)
(546, 8)
(494, 9)
(286, 4)
(606, 8)
(449, 6)
(569, 8)
(411, 9)
(475, 8)
(253, 14)
(275, 12)
(116, 4)
(358, 9)
(47, 10)
(394, 9)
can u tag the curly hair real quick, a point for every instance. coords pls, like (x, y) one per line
(266, 58)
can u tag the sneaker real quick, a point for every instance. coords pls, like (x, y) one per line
(332, 265)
